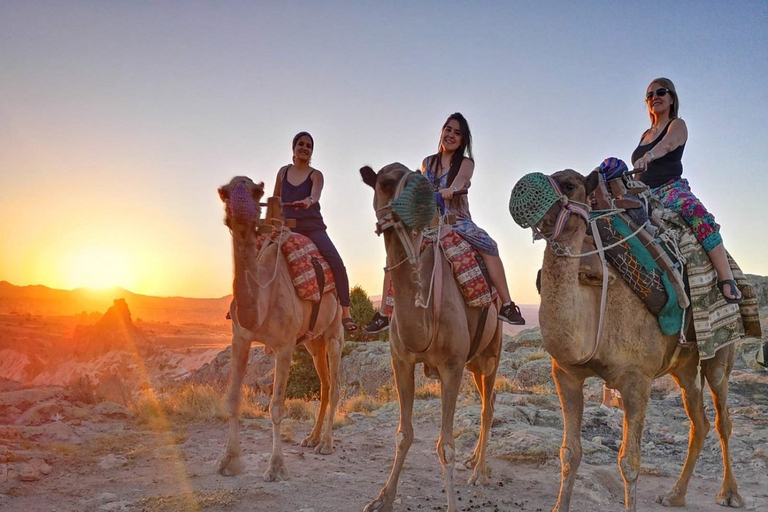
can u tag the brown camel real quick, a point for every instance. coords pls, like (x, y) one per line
(631, 353)
(266, 309)
(442, 343)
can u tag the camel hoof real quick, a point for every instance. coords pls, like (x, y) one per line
(324, 449)
(479, 478)
(310, 441)
(670, 500)
(277, 474)
(230, 466)
(730, 499)
(378, 505)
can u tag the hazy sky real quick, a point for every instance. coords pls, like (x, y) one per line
(119, 120)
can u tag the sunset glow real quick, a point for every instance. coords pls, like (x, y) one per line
(99, 267)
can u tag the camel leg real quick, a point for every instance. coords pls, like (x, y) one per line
(635, 397)
(333, 348)
(690, 386)
(230, 463)
(277, 470)
(717, 376)
(317, 349)
(569, 390)
(484, 385)
(450, 383)
(404, 380)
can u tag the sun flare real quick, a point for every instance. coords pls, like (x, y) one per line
(100, 267)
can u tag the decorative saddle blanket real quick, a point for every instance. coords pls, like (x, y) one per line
(654, 260)
(303, 258)
(475, 288)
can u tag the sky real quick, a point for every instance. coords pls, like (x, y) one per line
(119, 120)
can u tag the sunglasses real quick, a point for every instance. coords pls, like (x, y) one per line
(661, 92)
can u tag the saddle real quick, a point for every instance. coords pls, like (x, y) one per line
(468, 269)
(639, 245)
(310, 273)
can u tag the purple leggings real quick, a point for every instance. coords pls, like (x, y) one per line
(677, 196)
(323, 242)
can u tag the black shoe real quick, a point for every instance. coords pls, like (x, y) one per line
(510, 313)
(380, 323)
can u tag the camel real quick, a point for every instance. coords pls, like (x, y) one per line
(442, 342)
(631, 353)
(266, 309)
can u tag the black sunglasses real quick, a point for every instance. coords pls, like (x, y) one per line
(660, 92)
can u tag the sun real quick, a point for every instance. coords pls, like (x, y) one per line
(100, 267)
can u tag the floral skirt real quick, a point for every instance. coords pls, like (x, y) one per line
(677, 196)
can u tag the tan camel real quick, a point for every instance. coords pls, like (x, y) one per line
(266, 309)
(631, 353)
(442, 344)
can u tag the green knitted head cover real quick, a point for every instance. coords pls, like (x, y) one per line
(416, 206)
(531, 198)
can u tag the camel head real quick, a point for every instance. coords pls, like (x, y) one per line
(400, 195)
(241, 197)
(544, 203)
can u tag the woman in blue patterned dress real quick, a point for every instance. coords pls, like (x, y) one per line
(450, 170)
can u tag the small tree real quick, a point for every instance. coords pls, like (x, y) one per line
(362, 310)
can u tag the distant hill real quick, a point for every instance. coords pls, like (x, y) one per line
(41, 300)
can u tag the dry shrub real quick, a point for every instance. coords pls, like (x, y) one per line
(504, 385)
(253, 404)
(299, 410)
(197, 402)
(386, 393)
(361, 403)
(83, 389)
(429, 389)
(286, 432)
(534, 356)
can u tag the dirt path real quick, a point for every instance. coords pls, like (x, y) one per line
(125, 469)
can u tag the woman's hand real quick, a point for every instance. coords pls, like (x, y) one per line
(642, 163)
(307, 202)
(447, 193)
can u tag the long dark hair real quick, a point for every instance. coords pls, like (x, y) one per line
(296, 140)
(465, 149)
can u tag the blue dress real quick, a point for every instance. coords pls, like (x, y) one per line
(464, 226)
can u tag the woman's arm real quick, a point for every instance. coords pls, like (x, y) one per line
(676, 136)
(461, 180)
(317, 188)
(278, 181)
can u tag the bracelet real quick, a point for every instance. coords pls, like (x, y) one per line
(311, 200)
(453, 187)
(651, 156)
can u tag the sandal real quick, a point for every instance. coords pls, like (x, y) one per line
(734, 289)
(349, 324)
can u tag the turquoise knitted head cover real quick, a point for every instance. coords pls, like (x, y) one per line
(531, 198)
(416, 205)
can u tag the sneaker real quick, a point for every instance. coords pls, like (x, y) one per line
(380, 323)
(510, 313)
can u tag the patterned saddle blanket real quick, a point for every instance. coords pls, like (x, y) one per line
(668, 268)
(465, 263)
(304, 262)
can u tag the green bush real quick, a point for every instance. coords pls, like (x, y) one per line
(303, 381)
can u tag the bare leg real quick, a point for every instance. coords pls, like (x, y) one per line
(498, 276)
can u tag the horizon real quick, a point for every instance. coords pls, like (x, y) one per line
(121, 120)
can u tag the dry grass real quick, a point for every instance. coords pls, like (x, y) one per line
(386, 393)
(535, 356)
(301, 410)
(361, 403)
(429, 389)
(504, 385)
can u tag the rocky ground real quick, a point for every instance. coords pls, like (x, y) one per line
(63, 449)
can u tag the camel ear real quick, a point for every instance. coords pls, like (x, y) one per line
(592, 181)
(223, 193)
(258, 191)
(368, 175)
